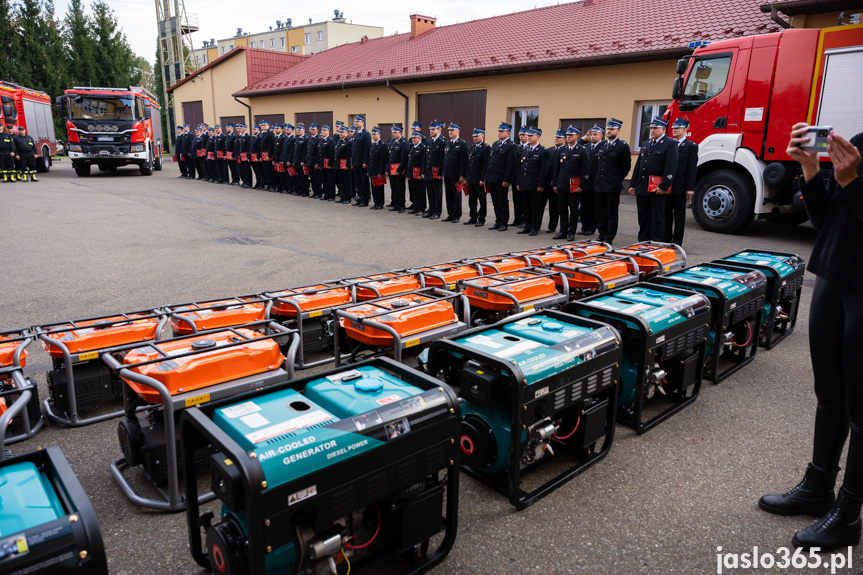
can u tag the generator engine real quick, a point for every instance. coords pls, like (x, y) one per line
(322, 474)
(538, 386)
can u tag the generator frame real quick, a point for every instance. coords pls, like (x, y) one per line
(489, 261)
(523, 400)
(172, 500)
(439, 275)
(603, 285)
(265, 505)
(517, 305)
(572, 247)
(779, 289)
(25, 388)
(70, 359)
(724, 315)
(177, 314)
(365, 283)
(678, 265)
(650, 343)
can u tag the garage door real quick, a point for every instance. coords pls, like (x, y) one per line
(465, 108)
(193, 113)
(319, 118)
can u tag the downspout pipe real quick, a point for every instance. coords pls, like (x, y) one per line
(251, 123)
(774, 15)
(403, 95)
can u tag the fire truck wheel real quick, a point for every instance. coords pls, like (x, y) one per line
(147, 167)
(724, 202)
(44, 163)
(157, 165)
(82, 169)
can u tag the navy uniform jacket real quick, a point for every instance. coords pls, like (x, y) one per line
(416, 159)
(25, 144)
(197, 144)
(658, 159)
(687, 166)
(204, 140)
(241, 146)
(592, 154)
(287, 150)
(553, 154)
(378, 157)
(434, 158)
(266, 139)
(7, 144)
(255, 146)
(220, 142)
(278, 142)
(179, 143)
(326, 147)
(398, 154)
(211, 145)
(613, 161)
(533, 171)
(361, 147)
(300, 145)
(477, 163)
(230, 140)
(312, 151)
(572, 163)
(455, 159)
(503, 160)
(342, 152)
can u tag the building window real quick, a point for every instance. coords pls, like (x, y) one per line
(308, 38)
(320, 36)
(646, 112)
(223, 49)
(273, 42)
(295, 49)
(198, 59)
(252, 45)
(205, 58)
(283, 43)
(524, 117)
(230, 48)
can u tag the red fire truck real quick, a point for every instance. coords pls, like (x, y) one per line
(32, 109)
(112, 127)
(742, 96)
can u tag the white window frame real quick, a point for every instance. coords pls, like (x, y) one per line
(252, 45)
(223, 50)
(295, 49)
(283, 43)
(320, 36)
(638, 125)
(308, 38)
(516, 127)
(272, 42)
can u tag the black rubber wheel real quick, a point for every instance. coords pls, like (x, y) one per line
(724, 202)
(44, 162)
(790, 219)
(157, 164)
(83, 170)
(147, 167)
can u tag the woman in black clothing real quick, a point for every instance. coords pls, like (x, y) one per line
(835, 208)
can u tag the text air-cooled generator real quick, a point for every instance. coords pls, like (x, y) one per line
(737, 304)
(80, 381)
(501, 263)
(20, 412)
(784, 273)
(403, 325)
(445, 276)
(375, 286)
(193, 317)
(323, 474)
(664, 332)
(655, 258)
(590, 275)
(165, 377)
(537, 389)
(309, 310)
(47, 525)
(496, 296)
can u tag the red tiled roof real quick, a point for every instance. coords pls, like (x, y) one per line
(567, 35)
(260, 64)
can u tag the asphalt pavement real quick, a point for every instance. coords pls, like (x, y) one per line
(662, 502)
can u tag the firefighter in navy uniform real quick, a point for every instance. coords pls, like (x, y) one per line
(241, 154)
(362, 144)
(501, 172)
(532, 176)
(197, 150)
(550, 197)
(342, 155)
(312, 160)
(301, 142)
(377, 163)
(230, 156)
(397, 168)
(27, 149)
(433, 170)
(587, 213)
(651, 181)
(416, 163)
(518, 202)
(571, 176)
(7, 154)
(278, 150)
(455, 162)
(268, 174)
(255, 157)
(613, 161)
(288, 182)
(178, 148)
(326, 158)
(477, 164)
(212, 169)
(221, 160)
(683, 186)
(186, 150)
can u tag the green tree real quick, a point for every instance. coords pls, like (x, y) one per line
(117, 65)
(79, 43)
(9, 66)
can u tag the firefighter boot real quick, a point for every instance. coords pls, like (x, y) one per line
(33, 176)
(840, 527)
(23, 175)
(813, 496)
(5, 175)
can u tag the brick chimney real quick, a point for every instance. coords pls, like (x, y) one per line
(421, 24)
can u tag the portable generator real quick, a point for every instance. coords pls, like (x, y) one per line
(309, 310)
(536, 389)
(784, 273)
(445, 276)
(20, 412)
(323, 474)
(664, 333)
(382, 285)
(402, 325)
(496, 296)
(163, 378)
(655, 258)
(193, 317)
(47, 525)
(583, 248)
(80, 381)
(737, 301)
(501, 263)
(543, 258)
(590, 275)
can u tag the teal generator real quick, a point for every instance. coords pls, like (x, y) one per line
(664, 331)
(737, 299)
(47, 525)
(537, 387)
(784, 274)
(327, 473)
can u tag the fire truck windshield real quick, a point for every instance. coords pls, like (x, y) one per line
(92, 107)
(707, 78)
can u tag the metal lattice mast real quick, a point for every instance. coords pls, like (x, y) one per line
(175, 27)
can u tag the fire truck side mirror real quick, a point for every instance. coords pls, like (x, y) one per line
(10, 113)
(681, 66)
(58, 106)
(677, 90)
(147, 113)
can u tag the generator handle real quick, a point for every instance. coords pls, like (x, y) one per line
(17, 407)
(70, 373)
(180, 318)
(24, 339)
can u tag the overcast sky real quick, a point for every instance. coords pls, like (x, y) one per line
(220, 18)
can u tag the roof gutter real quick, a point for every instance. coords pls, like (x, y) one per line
(774, 15)
(393, 88)
(251, 123)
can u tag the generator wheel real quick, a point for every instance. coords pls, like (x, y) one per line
(147, 167)
(82, 169)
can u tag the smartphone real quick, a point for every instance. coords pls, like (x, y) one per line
(817, 139)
